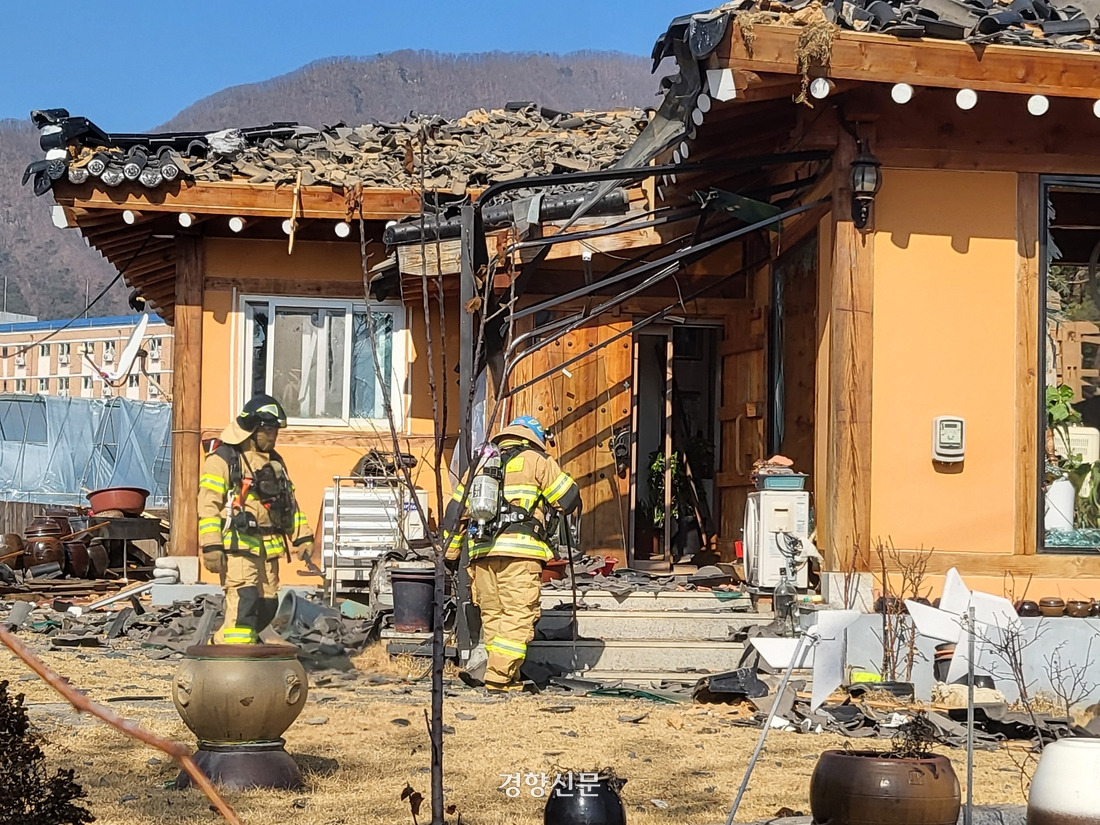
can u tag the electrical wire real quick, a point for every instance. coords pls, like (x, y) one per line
(91, 303)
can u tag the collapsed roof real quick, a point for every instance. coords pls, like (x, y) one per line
(481, 148)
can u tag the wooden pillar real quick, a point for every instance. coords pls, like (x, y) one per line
(186, 397)
(848, 505)
(1028, 215)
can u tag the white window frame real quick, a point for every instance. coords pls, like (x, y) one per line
(43, 385)
(398, 360)
(21, 385)
(43, 350)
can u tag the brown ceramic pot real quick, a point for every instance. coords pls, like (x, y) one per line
(1028, 608)
(76, 559)
(44, 550)
(12, 548)
(43, 525)
(1052, 607)
(239, 693)
(1078, 608)
(98, 559)
(867, 788)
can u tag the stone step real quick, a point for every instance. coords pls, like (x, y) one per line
(644, 600)
(684, 625)
(636, 655)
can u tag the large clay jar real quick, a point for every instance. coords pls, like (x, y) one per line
(573, 803)
(12, 548)
(43, 525)
(43, 550)
(98, 559)
(238, 700)
(868, 788)
(1064, 787)
(76, 559)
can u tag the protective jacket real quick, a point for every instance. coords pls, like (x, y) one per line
(237, 513)
(533, 483)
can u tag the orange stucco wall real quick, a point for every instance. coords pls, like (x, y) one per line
(944, 344)
(313, 454)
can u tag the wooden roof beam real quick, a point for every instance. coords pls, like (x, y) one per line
(881, 58)
(236, 199)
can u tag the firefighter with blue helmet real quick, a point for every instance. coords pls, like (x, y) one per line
(248, 514)
(507, 554)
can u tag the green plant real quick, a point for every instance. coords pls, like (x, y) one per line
(1060, 416)
(681, 497)
(29, 793)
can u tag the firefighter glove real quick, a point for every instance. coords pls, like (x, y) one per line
(213, 558)
(305, 552)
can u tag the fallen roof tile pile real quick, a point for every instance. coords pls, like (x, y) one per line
(481, 148)
(1036, 23)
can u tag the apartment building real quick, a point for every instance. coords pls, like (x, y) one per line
(39, 357)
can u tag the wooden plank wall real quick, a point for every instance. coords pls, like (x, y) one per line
(741, 417)
(16, 515)
(584, 409)
(798, 270)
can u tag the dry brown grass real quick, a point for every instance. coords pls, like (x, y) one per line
(357, 763)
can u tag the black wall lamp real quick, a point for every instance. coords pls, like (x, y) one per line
(866, 181)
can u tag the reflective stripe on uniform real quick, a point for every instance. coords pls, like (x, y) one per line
(524, 495)
(273, 545)
(513, 544)
(506, 647)
(460, 490)
(210, 526)
(212, 482)
(559, 488)
(240, 636)
(300, 520)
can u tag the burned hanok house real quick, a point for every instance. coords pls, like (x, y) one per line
(863, 240)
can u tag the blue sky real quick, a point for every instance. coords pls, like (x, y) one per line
(130, 66)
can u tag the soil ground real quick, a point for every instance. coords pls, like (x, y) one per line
(359, 744)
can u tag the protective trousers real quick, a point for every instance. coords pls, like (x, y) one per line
(507, 591)
(251, 597)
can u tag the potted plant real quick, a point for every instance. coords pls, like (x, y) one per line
(1064, 476)
(907, 783)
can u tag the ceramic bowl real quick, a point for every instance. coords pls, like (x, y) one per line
(1028, 608)
(1078, 608)
(1052, 606)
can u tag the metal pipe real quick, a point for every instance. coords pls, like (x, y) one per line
(968, 815)
(466, 337)
(550, 209)
(676, 257)
(767, 726)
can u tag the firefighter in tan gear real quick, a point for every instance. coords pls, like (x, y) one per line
(247, 514)
(507, 556)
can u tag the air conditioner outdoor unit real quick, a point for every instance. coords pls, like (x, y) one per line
(108, 356)
(62, 359)
(154, 353)
(768, 515)
(20, 360)
(107, 392)
(63, 393)
(153, 391)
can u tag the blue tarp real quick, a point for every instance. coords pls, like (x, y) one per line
(55, 450)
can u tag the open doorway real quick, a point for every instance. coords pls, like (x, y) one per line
(675, 406)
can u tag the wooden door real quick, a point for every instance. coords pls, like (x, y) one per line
(741, 418)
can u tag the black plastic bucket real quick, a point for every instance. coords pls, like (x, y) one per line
(412, 600)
